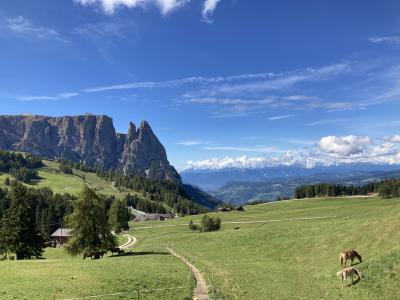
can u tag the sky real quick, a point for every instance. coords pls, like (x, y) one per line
(223, 83)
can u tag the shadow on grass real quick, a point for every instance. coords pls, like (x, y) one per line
(355, 281)
(139, 253)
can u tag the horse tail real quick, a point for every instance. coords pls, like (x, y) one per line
(341, 259)
(357, 255)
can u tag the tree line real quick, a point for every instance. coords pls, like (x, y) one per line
(21, 167)
(154, 193)
(387, 188)
(29, 216)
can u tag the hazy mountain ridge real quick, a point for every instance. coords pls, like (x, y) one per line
(210, 180)
(242, 192)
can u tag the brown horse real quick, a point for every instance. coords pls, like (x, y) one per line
(348, 273)
(350, 254)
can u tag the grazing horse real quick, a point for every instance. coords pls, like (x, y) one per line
(350, 254)
(88, 254)
(115, 250)
(236, 228)
(348, 273)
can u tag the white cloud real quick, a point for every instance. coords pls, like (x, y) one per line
(243, 149)
(209, 7)
(346, 145)
(23, 26)
(393, 139)
(329, 151)
(61, 96)
(280, 117)
(190, 143)
(109, 6)
(385, 40)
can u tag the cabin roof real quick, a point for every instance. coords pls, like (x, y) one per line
(62, 232)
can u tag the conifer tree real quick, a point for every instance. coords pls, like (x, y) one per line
(91, 232)
(18, 232)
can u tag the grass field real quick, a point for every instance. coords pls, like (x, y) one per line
(296, 259)
(50, 176)
(286, 258)
(67, 277)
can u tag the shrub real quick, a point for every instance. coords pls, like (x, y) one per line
(193, 226)
(210, 224)
(207, 224)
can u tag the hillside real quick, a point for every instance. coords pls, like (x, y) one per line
(50, 176)
(296, 242)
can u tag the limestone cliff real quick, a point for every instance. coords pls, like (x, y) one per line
(91, 140)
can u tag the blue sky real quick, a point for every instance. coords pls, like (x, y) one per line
(223, 83)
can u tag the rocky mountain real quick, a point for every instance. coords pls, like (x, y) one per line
(91, 140)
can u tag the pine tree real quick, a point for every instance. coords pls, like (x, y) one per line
(90, 230)
(18, 232)
(119, 216)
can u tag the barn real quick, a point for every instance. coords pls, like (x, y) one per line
(61, 236)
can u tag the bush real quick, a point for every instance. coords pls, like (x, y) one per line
(207, 224)
(193, 226)
(210, 224)
(7, 181)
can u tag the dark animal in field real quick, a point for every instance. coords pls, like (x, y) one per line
(236, 228)
(121, 252)
(348, 273)
(101, 253)
(115, 250)
(88, 254)
(350, 254)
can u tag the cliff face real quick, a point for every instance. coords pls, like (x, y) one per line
(91, 140)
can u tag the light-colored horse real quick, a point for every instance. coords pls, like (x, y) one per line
(348, 273)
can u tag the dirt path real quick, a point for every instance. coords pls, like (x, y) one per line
(245, 222)
(201, 291)
(128, 244)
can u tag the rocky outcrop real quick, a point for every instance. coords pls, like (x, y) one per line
(91, 140)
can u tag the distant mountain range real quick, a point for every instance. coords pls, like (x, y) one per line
(238, 186)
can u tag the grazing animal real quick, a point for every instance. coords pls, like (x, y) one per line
(348, 273)
(88, 254)
(115, 250)
(236, 228)
(350, 254)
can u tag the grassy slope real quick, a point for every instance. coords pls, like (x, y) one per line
(293, 259)
(65, 183)
(68, 277)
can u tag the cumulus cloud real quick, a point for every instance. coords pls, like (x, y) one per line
(345, 145)
(330, 151)
(209, 7)
(109, 6)
(392, 139)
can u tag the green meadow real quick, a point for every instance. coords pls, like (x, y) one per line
(294, 255)
(292, 259)
(60, 276)
(51, 177)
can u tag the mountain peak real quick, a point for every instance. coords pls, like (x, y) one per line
(90, 139)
